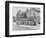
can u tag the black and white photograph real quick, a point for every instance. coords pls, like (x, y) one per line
(24, 18)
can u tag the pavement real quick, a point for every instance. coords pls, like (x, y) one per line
(25, 27)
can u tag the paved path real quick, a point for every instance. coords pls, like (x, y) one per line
(25, 27)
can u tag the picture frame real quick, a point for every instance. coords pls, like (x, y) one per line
(11, 8)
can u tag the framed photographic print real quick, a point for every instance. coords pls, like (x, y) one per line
(24, 18)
